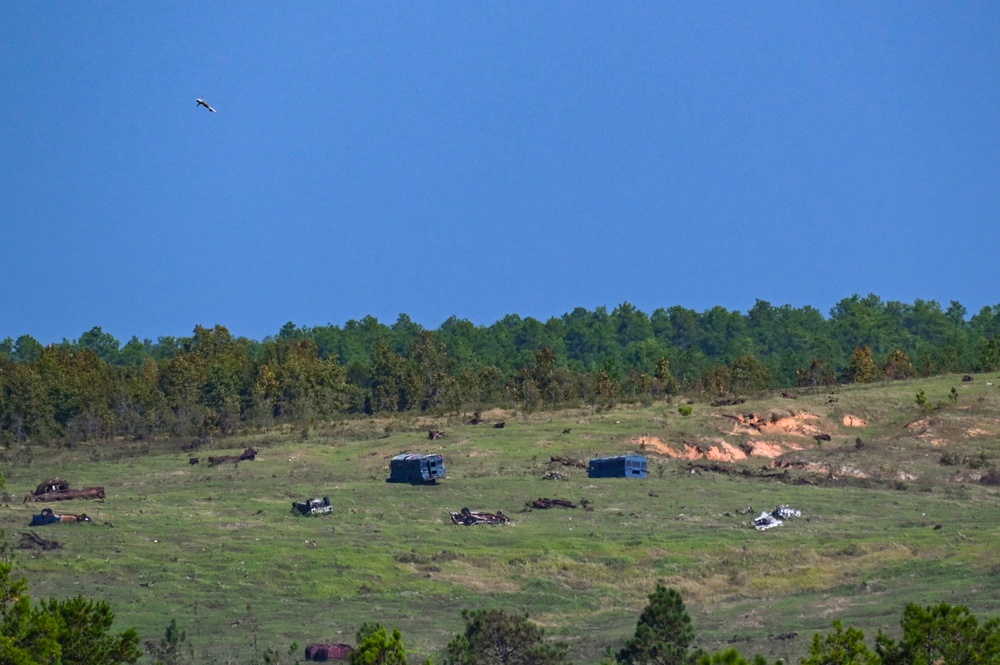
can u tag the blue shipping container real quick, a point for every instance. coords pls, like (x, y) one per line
(415, 468)
(623, 466)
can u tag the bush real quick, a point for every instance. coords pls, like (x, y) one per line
(685, 409)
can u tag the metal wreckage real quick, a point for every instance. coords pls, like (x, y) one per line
(468, 517)
(775, 518)
(312, 507)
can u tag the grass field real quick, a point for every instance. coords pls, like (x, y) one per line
(884, 523)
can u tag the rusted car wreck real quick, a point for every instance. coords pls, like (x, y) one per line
(468, 517)
(57, 489)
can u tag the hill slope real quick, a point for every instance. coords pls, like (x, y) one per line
(897, 507)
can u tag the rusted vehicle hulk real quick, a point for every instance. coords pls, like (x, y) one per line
(247, 455)
(49, 517)
(57, 489)
(320, 653)
(468, 517)
(313, 507)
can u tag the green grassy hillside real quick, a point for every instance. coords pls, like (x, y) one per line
(894, 510)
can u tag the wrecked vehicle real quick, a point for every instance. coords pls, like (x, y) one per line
(416, 468)
(622, 466)
(551, 503)
(49, 517)
(57, 489)
(775, 518)
(320, 653)
(313, 506)
(468, 517)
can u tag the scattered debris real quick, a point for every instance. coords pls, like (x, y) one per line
(775, 518)
(567, 461)
(313, 506)
(468, 518)
(32, 541)
(434, 435)
(736, 470)
(555, 475)
(551, 503)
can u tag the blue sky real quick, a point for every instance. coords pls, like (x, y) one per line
(478, 160)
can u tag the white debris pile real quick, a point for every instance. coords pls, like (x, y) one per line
(775, 518)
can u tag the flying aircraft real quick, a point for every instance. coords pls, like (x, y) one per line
(202, 102)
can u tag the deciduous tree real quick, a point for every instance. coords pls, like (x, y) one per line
(861, 367)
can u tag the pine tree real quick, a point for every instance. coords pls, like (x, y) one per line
(664, 633)
(377, 647)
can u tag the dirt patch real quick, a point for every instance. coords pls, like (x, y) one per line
(975, 431)
(716, 449)
(770, 449)
(725, 452)
(833, 606)
(658, 445)
(853, 421)
(797, 424)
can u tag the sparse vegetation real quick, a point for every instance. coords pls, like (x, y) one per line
(200, 544)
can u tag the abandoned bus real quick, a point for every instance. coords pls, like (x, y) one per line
(415, 468)
(623, 466)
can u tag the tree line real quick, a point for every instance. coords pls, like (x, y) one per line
(213, 382)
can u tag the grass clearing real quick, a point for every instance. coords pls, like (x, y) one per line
(217, 548)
